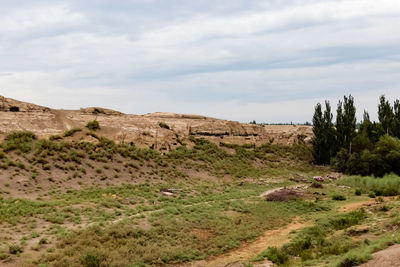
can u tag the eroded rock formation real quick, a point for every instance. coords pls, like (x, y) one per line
(143, 130)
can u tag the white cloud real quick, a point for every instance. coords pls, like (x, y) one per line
(263, 60)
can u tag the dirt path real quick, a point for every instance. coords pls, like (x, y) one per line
(247, 251)
(385, 258)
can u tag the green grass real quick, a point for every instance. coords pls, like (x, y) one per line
(19, 141)
(389, 185)
(226, 205)
(317, 241)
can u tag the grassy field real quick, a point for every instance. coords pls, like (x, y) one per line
(65, 203)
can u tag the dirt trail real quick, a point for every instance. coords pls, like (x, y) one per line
(385, 258)
(247, 251)
(276, 237)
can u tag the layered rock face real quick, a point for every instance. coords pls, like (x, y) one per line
(143, 130)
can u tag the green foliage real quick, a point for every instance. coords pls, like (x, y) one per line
(346, 122)
(338, 197)
(163, 125)
(93, 125)
(353, 260)
(324, 141)
(276, 255)
(19, 141)
(384, 158)
(316, 241)
(71, 132)
(349, 219)
(385, 115)
(14, 249)
(91, 260)
(389, 185)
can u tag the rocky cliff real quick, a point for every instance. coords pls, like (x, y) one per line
(143, 130)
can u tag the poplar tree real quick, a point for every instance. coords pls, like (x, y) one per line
(385, 115)
(324, 134)
(318, 139)
(396, 118)
(339, 125)
(349, 121)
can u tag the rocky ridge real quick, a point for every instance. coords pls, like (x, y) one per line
(143, 130)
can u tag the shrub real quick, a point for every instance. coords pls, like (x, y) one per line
(91, 260)
(347, 220)
(276, 255)
(358, 192)
(55, 137)
(93, 125)
(163, 125)
(353, 260)
(71, 132)
(372, 194)
(338, 197)
(20, 141)
(14, 249)
(389, 185)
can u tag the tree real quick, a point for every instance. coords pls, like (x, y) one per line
(385, 115)
(349, 121)
(330, 134)
(324, 134)
(396, 118)
(318, 139)
(340, 125)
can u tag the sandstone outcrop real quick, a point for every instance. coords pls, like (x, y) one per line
(143, 130)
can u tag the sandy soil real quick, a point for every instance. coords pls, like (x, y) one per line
(389, 257)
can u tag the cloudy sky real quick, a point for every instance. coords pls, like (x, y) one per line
(244, 60)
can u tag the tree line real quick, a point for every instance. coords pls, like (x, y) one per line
(365, 148)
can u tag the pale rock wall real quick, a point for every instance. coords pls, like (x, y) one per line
(143, 130)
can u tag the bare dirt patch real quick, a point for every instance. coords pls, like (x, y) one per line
(386, 258)
(356, 205)
(284, 195)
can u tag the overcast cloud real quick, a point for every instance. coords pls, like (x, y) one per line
(268, 61)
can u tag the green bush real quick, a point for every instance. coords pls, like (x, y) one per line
(358, 192)
(93, 125)
(71, 132)
(91, 260)
(353, 260)
(163, 125)
(20, 141)
(344, 221)
(14, 249)
(338, 197)
(276, 255)
(389, 185)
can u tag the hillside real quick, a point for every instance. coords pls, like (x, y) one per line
(70, 196)
(143, 130)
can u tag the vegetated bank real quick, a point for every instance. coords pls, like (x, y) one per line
(80, 203)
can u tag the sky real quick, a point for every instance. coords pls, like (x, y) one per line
(243, 60)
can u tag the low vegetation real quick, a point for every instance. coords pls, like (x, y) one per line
(93, 204)
(93, 125)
